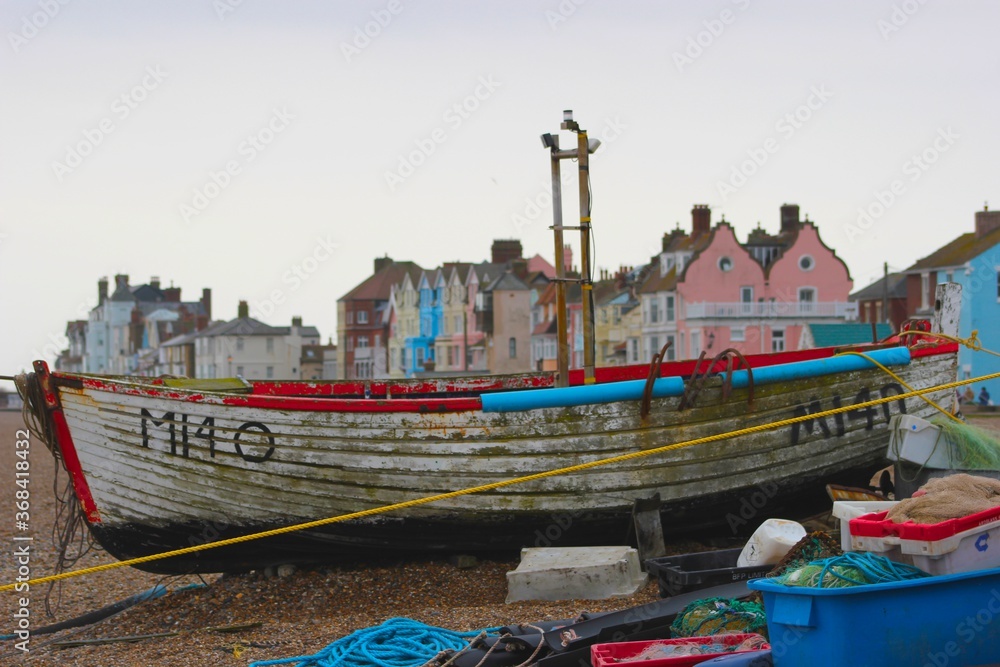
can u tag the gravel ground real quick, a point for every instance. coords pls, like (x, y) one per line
(299, 614)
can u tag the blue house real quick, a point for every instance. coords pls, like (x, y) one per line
(420, 347)
(973, 261)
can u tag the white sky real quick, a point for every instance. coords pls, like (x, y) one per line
(684, 126)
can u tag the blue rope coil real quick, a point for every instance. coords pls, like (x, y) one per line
(872, 568)
(399, 642)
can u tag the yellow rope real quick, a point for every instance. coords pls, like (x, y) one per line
(972, 342)
(496, 485)
(902, 382)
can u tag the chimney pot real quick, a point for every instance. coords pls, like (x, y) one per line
(789, 217)
(701, 219)
(243, 310)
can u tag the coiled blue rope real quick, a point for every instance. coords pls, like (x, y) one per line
(873, 569)
(399, 642)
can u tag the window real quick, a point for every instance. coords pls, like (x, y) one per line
(362, 317)
(239, 344)
(654, 310)
(671, 353)
(806, 263)
(633, 349)
(362, 342)
(925, 287)
(350, 343)
(239, 371)
(670, 308)
(378, 340)
(746, 299)
(350, 317)
(512, 348)
(948, 277)
(807, 296)
(738, 334)
(270, 345)
(695, 344)
(451, 355)
(725, 264)
(420, 356)
(270, 372)
(878, 312)
(777, 341)
(458, 324)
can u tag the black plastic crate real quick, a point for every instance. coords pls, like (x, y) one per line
(690, 572)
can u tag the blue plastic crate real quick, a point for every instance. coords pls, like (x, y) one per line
(947, 621)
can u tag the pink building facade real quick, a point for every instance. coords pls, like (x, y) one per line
(756, 296)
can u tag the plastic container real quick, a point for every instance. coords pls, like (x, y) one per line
(918, 441)
(770, 542)
(917, 622)
(845, 510)
(615, 655)
(957, 545)
(690, 572)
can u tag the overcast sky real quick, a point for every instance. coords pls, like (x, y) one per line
(270, 150)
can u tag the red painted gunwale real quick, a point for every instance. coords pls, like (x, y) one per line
(392, 396)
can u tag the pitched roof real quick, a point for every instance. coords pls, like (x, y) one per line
(963, 249)
(507, 281)
(847, 333)
(659, 283)
(378, 285)
(896, 285)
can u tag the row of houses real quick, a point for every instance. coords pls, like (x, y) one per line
(149, 330)
(704, 291)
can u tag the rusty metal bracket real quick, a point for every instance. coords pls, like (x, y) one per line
(654, 372)
(698, 377)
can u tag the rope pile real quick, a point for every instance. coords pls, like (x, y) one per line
(716, 616)
(399, 642)
(850, 569)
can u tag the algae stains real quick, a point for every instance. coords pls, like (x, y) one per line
(491, 451)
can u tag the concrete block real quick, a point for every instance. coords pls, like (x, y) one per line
(575, 573)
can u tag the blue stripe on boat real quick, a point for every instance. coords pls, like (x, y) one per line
(533, 399)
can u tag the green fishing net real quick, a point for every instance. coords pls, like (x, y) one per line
(716, 616)
(972, 448)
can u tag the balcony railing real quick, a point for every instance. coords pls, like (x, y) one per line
(772, 309)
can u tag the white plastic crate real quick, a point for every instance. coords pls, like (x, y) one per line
(845, 510)
(974, 549)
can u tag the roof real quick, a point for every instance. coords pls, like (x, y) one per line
(660, 283)
(122, 293)
(545, 328)
(896, 284)
(963, 249)
(507, 281)
(378, 285)
(847, 333)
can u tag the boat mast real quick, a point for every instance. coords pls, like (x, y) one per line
(584, 148)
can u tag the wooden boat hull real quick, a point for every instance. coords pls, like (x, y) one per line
(157, 469)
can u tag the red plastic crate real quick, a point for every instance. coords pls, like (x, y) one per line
(617, 655)
(876, 525)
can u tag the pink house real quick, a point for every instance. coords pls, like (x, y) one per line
(755, 296)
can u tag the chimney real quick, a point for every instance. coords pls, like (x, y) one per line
(243, 311)
(172, 294)
(519, 267)
(382, 262)
(505, 250)
(789, 217)
(121, 280)
(986, 221)
(102, 290)
(206, 301)
(701, 219)
(567, 258)
(154, 282)
(296, 321)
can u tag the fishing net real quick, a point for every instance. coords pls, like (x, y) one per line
(814, 546)
(946, 498)
(717, 616)
(972, 448)
(662, 650)
(849, 569)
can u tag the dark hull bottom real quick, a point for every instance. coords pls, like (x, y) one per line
(724, 515)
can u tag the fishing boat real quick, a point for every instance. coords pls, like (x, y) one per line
(161, 464)
(158, 464)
